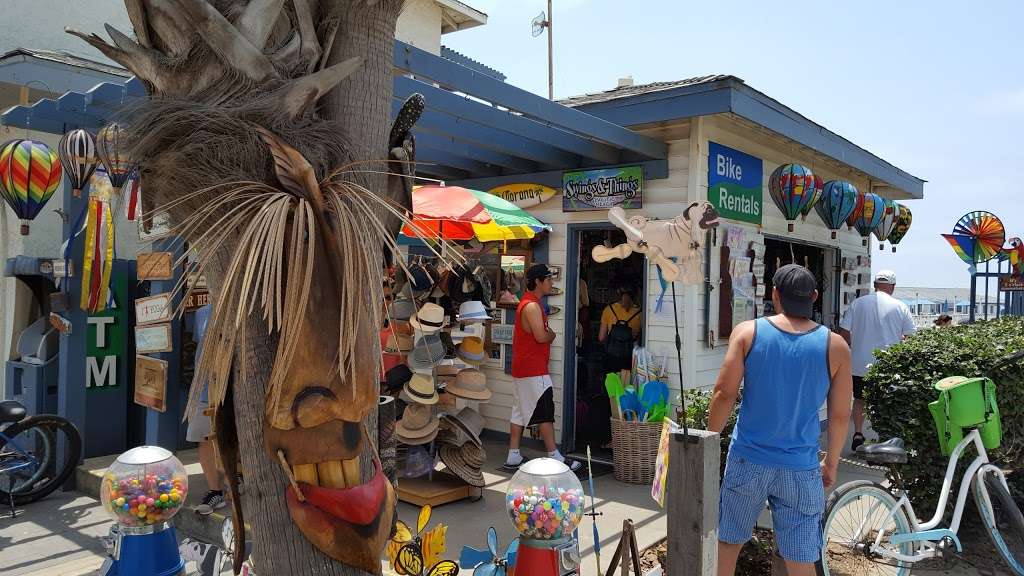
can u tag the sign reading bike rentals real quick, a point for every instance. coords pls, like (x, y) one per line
(524, 195)
(603, 189)
(735, 183)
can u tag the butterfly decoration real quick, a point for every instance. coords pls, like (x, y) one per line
(487, 562)
(409, 553)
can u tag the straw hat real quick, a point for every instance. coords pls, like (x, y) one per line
(472, 384)
(446, 373)
(469, 423)
(398, 343)
(417, 422)
(473, 311)
(420, 389)
(465, 462)
(429, 318)
(471, 350)
(428, 351)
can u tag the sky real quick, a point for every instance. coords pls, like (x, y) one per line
(936, 88)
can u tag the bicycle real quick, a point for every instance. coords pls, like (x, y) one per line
(29, 449)
(872, 529)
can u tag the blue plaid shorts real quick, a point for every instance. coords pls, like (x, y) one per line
(796, 499)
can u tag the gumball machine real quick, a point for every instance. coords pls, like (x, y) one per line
(545, 503)
(143, 489)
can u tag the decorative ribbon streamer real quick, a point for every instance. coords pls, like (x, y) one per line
(98, 257)
(132, 210)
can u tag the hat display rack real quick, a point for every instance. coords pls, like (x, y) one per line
(441, 384)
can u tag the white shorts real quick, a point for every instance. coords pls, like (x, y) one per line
(198, 424)
(526, 397)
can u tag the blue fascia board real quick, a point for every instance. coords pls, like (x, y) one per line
(653, 170)
(462, 79)
(446, 173)
(463, 107)
(445, 157)
(463, 60)
(762, 110)
(503, 162)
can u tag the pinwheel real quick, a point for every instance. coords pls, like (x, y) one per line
(888, 222)
(838, 201)
(871, 211)
(29, 175)
(792, 189)
(77, 152)
(903, 220)
(977, 237)
(111, 146)
(819, 186)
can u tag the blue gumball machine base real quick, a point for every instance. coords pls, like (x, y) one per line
(153, 553)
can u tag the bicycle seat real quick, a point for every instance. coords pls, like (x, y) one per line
(888, 452)
(11, 411)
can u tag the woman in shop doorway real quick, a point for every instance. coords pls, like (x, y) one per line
(620, 328)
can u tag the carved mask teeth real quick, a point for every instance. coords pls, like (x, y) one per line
(329, 474)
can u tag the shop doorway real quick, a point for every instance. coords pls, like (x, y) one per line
(592, 288)
(820, 260)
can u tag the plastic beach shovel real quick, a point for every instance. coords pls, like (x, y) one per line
(630, 402)
(657, 413)
(613, 385)
(655, 393)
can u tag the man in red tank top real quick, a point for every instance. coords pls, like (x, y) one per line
(533, 396)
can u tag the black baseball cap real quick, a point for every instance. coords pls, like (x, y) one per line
(796, 286)
(538, 272)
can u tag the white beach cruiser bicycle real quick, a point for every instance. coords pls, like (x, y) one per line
(871, 529)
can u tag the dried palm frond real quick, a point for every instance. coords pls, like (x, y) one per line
(265, 239)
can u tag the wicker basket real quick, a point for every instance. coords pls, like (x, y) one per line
(635, 450)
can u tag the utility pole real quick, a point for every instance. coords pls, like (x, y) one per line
(551, 66)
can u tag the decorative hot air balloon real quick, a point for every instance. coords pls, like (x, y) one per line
(819, 186)
(888, 222)
(903, 220)
(977, 237)
(871, 212)
(77, 152)
(29, 174)
(851, 220)
(110, 144)
(791, 187)
(838, 201)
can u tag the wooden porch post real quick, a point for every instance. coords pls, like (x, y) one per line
(692, 495)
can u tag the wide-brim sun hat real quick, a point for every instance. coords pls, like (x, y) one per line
(470, 384)
(416, 441)
(466, 462)
(470, 422)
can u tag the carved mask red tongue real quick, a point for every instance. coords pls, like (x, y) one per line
(358, 505)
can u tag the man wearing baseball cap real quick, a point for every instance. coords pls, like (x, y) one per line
(874, 321)
(788, 365)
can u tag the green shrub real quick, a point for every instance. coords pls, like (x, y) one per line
(698, 410)
(900, 386)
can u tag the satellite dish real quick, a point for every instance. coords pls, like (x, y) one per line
(538, 24)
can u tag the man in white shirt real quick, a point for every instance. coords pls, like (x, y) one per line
(875, 321)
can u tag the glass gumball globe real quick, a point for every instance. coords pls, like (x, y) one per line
(144, 488)
(544, 500)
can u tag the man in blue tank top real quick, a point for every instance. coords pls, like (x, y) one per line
(788, 365)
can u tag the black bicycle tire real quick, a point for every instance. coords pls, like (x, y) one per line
(996, 489)
(74, 453)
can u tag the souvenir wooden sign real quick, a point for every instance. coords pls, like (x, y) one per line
(154, 309)
(153, 338)
(196, 300)
(155, 266)
(151, 383)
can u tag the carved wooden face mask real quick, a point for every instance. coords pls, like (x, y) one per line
(308, 263)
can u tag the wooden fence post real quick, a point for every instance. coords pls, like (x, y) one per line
(692, 496)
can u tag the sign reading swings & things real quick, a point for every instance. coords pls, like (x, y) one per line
(603, 189)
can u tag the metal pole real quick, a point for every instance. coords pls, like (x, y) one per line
(988, 269)
(974, 294)
(551, 65)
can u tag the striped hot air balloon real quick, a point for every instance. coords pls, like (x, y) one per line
(819, 187)
(903, 220)
(871, 211)
(838, 201)
(77, 152)
(792, 188)
(887, 224)
(111, 146)
(29, 174)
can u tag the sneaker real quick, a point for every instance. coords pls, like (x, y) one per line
(858, 439)
(214, 500)
(512, 464)
(573, 465)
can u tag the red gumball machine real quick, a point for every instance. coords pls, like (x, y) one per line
(545, 504)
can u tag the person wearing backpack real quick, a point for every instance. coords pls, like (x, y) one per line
(620, 328)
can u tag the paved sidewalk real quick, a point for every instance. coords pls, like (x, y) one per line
(59, 535)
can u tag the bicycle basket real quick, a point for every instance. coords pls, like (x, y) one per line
(966, 403)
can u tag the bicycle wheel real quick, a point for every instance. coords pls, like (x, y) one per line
(853, 517)
(1002, 519)
(34, 444)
